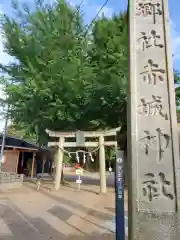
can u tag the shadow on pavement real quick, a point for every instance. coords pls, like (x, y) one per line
(23, 227)
(93, 237)
(47, 230)
(58, 212)
(83, 189)
(110, 209)
(90, 211)
(17, 224)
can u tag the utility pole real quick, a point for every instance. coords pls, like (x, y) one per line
(4, 138)
(4, 133)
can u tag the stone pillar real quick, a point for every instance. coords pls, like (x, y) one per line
(153, 154)
(32, 168)
(59, 161)
(17, 162)
(102, 165)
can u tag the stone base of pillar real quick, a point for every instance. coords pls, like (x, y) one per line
(158, 226)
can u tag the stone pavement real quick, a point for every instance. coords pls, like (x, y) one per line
(66, 214)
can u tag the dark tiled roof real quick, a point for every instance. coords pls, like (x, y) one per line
(20, 143)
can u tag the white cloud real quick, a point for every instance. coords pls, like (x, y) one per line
(77, 2)
(90, 9)
(106, 11)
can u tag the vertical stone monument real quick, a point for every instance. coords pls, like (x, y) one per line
(154, 163)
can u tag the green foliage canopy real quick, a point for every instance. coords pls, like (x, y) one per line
(62, 78)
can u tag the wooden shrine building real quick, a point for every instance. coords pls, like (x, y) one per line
(23, 157)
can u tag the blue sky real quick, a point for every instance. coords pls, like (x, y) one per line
(91, 7)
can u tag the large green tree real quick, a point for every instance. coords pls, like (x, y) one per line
(109, 58)
(177, 83)
(64, 77)
(21, 131)
(47, 81)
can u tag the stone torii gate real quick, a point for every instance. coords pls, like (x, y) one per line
(81, 135)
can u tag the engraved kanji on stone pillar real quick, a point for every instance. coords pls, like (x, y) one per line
(160, 141)
(153, 107)
(153, 147)
(149, 8)
(156, 187)
(151, 40)
(152, 73)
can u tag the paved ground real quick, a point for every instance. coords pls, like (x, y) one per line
(27, 214)
(91, 178)
(88, 178)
